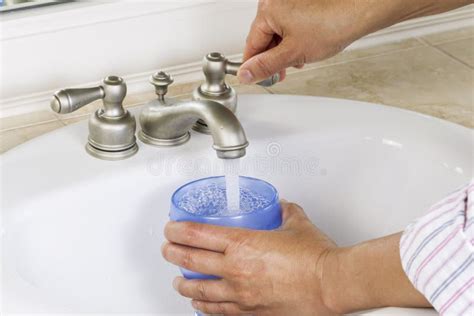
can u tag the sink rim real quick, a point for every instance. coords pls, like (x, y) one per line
(78, 130)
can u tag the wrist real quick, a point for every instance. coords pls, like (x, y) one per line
(368, 275)
(381, 14)
(330, 281)
(343, 285)
(366, 17)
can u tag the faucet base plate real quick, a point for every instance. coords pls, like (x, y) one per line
(111, 155)
(163, 142)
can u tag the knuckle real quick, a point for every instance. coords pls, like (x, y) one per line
(237, 272)
(264, 4)
(187, 260)
(293, 205)
(293, 54)
(235, 243)
(247, 300)
(221, 308)
(261, 25)
(201, 291)
(203, 307)
(251, 44)
(237, 240)
(191, 231)
(244, 270)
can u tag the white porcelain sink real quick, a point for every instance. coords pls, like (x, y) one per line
(84, 235)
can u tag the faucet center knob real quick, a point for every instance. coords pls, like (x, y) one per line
(161, 80)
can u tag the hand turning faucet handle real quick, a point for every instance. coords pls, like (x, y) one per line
(232, 68)
(215, 67)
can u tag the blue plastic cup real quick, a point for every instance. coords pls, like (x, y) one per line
(265, 218)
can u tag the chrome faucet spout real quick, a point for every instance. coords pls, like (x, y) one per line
(169, 125)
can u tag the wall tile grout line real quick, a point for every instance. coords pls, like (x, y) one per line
(303, 72)
(443, 52)
(452, 56)
(423, 42)
(309, 67)
(268, 90)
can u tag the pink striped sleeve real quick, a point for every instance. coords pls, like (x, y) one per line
(437, 253)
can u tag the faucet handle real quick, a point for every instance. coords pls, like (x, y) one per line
(232, 68)
(270, 81)
(111, 128)
(112, 92)
(161, 80)
(216, 66)
(70, 100)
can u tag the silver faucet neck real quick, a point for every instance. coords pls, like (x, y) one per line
(115, 91)
(216, 66)
(215, 69)
(169, 125)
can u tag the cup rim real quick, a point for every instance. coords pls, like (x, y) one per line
(274, 201)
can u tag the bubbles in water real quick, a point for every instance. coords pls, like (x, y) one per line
(211, 200)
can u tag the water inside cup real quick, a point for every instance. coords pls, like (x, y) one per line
(210, 199)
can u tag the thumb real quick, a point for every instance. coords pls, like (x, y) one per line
(268, 63)
(292, 215)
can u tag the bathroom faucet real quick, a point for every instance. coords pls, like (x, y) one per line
(163, 121)
(167, 123)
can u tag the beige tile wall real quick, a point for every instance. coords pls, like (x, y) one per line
(431, 75)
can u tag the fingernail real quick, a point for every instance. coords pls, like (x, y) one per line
(195, 304)
(245, 76)
(283, 200)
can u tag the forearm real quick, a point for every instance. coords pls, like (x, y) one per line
(375, 15)
(368, 275)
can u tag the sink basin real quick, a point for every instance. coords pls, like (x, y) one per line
(81, 235)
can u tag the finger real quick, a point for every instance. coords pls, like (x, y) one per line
(225, 308)
(299, 66)
(204, 236)
(204, 290)
(282, 75)
(198, 260)
(275, 41)
(265, 64)
(291, 214)
(259, 38)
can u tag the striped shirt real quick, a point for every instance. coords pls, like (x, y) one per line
(437, 253)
